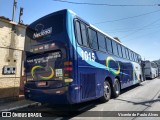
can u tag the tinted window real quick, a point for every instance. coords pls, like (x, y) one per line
(84, 34)
(124, 52)
(109, 45)
(147, 64)
(120, 50)
(130, 56)
(136, 58)
(78, 33)
(44, 28)
(127, 54)
(115, 50)
(92, 38)
(139, 58)
(101, 42)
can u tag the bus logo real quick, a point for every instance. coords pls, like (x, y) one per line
(40, 31)
(42, 77)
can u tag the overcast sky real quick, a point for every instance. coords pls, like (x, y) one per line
(138, 27)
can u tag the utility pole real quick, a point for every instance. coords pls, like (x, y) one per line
(14, 10)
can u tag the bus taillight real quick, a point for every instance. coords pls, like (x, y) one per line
(67, 63)
(68, 69)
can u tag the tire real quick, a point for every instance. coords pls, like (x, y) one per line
(107, 92)
(116, 88)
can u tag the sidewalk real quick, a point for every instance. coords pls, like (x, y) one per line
(14, 105)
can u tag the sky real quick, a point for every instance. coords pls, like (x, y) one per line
(138, 27)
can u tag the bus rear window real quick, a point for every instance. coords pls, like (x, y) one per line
(44, 28)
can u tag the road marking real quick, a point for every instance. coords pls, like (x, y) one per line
(19, 107)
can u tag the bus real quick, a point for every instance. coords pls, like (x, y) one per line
(70, 61)
(150, 69)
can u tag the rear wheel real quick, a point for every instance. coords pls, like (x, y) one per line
(116, 88)
(107, 92)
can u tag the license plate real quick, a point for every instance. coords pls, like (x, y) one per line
(41, 84)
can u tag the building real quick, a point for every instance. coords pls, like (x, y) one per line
(12, 37)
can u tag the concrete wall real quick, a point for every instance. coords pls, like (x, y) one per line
(12, 38)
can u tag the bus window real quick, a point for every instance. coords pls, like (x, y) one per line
(84, 35)
(101, 42)
(139, 58)
(124, 53)
(119, 50)
(136, 57)
(130, 54)
(109, 45)
(92, 38)
(78, 33)
(115, 50)
(127, 55)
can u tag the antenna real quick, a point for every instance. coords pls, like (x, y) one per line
(20, 15)
(14, 10)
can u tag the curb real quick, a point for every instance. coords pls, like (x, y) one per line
(19, 107)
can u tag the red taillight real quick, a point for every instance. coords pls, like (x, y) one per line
(68, 69)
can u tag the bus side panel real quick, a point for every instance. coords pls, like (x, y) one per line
(74, 89)
(87, 76)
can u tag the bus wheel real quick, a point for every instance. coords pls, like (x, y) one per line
(106, 93)
(116, 88)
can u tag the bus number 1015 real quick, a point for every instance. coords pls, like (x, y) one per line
(88, 56)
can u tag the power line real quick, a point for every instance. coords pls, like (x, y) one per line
(150, 33)
(128, 30)
(127, 17)
(146, 34)
(141, 28)
(122, 28)
(104, 4)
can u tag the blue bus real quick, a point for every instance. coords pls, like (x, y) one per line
(70, 61)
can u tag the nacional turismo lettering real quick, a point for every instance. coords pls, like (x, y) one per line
(43, 33)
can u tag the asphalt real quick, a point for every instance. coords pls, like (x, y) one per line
(14, 105)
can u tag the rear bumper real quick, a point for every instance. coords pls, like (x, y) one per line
(51, 96)
(148, 76)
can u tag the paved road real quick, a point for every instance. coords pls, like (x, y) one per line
(141, 98)
(145, 97)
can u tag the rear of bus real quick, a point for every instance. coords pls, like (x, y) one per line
(49, 61)
(149, 70)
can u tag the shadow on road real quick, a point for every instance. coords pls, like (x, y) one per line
(145, 103)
